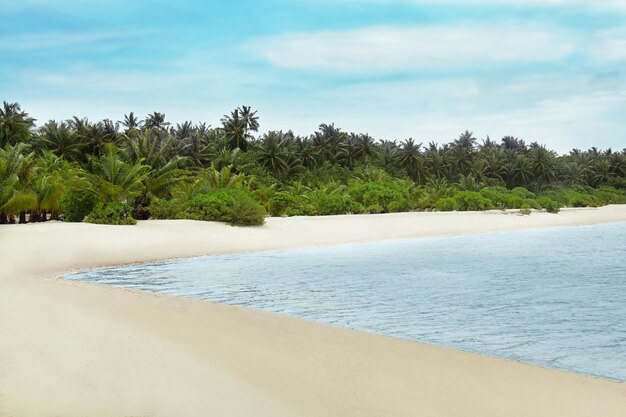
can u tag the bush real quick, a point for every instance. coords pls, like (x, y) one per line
(472, 201)
(111, 213)
(386, 195)
(498, 196)
(447, 204)
(610, 195)
(549, 205)
(503, 198)
(330, 204)
(165, 209)
(75, 205)
(232, 206)
(245, 212)
(280, 203)
(573, 197)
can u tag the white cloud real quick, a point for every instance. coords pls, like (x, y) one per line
(383, 48)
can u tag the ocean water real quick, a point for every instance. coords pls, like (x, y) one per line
(551, 297)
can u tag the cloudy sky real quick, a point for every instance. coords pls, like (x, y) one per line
(551, 71)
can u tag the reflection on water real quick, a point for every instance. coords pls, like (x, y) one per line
(553, 297)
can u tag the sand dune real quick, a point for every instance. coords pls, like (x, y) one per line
(76, 349)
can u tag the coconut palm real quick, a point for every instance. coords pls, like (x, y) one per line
(114, 180)
(61, 139)
(275, 152)
(410, 158)
(238, 125)
(15, 124)
(131, 122)
(155, 120)
(16, 173)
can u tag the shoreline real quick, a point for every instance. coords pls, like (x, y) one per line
(92, 349)
(330, 245)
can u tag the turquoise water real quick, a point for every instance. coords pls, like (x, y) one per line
(551, 297)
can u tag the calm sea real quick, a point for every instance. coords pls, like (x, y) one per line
(551, 297)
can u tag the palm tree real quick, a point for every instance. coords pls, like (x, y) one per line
(519, 173)
(224, 178)
(131, 122)
(510, 143)
(113, 179)
(388, 153)
(155, 120)
(543, 165)
(238, 125)
(15, 124)
(16, 173)
(307, 153)
(494, 164)
(62, 140)
(331, 143)
(274, 152)
(364, 145)
(410, 158)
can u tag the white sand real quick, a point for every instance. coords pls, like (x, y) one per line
(77, 349)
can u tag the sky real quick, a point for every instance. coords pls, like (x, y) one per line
(551, 71)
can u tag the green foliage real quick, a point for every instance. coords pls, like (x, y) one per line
(232, 206)
(503, 198)
(381, 196)
(165, 209)
(472, 201)
(572, 197)
(447, 204)
(330, 204)
(281, 202)
(75, 205)
(111, 213)
(549, 205)
(182, 171)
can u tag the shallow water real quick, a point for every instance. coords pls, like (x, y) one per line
(551, 297)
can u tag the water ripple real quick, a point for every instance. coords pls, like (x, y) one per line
(554, 297)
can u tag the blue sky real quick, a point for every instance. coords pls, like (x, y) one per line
(550, 71)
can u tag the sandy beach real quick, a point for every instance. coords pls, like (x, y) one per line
(76, 349)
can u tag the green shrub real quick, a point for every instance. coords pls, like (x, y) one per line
(472, 201)
(111, 213)
(610, 195)
(447, 204)
(302, 210)
(280, 203)
(75, 205)
(523, 193)
(525, 211)
(498, 196)
(232, 206)
(503, 198)
(165, 209)
(330, 204)
(387, 195)
(573, 197)
(245, 212)
(549, 205)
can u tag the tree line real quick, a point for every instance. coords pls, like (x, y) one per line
(135, 168)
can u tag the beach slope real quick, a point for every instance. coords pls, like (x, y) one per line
(76, 349)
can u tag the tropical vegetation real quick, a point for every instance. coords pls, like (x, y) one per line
(117, 172)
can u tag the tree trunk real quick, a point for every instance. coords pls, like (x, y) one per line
(3, 218)
(22, 217)
(34, 216)
(44, 216)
